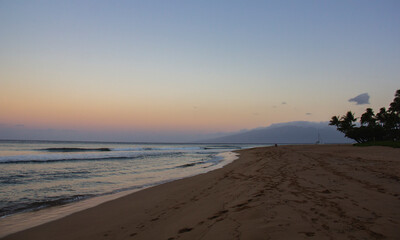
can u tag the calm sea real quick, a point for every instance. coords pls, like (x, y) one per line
(41, 174)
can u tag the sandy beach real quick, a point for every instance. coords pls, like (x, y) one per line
(285, 192)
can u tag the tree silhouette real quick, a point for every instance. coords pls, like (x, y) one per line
(382, 116)
(368, 118)
(385, 125)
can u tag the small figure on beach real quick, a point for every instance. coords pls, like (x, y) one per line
(276, 145)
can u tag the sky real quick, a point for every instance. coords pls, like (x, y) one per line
(181, 70)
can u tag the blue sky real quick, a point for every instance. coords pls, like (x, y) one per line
(193, 67)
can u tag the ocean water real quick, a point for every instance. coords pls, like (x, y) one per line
(36, 175)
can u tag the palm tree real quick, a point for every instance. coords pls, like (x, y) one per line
(348, 121)
(395, 105)
(385, 125)
(334, 121)
(381, 116)
(368, 118)
(394, 111)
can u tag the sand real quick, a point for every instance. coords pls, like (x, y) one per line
(285, 192)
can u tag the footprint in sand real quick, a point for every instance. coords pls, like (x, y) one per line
(308, 234)
(218, 214)
(186, 229)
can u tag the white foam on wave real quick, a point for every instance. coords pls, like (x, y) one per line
(156, 149)
(114, 153)
(21, 221)
(73, 156)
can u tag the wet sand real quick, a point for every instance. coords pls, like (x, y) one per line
(285, 192)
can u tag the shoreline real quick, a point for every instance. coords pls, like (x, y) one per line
(25, 220)
(324, 191)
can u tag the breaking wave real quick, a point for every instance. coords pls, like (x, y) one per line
(80, 157)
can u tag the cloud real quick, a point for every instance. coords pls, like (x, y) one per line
(19, 125)
(308, 114)
(360, 99)
(283, 103)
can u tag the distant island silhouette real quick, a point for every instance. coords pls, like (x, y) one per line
(301, 132)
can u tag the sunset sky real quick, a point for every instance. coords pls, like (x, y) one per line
(149, 70)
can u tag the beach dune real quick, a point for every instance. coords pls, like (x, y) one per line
(285, 192)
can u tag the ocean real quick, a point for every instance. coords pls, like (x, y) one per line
(36, 175)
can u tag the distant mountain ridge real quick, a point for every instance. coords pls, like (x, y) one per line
(290, 132)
